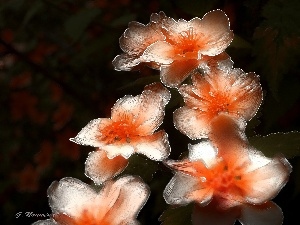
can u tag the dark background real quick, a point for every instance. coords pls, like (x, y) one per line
(56, 75)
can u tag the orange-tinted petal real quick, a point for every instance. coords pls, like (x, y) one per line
(155, 147)
(175, 73)
(160, 52)
(100, 168)
(132, 196)
(90, 133)
(183, 189)
(137, 37)
(217, 34)
(267, 177)
(191, 123)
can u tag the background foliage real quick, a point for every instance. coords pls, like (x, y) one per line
(56, 75)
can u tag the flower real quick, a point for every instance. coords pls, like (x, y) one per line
(134, 41)
(177, 48)
(76, 203)
(130, 129)
(189, 45)
(237, 184)
(230, 91)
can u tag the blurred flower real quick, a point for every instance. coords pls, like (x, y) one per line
(131, 126)
(230, 91)
(28, 179)
(233, 183)
(74, 202)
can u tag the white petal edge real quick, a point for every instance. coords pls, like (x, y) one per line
(88, 134)
(204, 151)
(157, 148)
(68, 195)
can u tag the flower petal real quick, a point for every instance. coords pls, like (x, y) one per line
(88, 134)
(125, 62)
(68, 195)
(183, 189)
(191, 123)
(126, 108)
(215, 28)
(204, 151)
(100, 168)
(159, 89)
(267, 176)
(160, 52)
(155, 147)
(175, 73)
(209, 215)
(131, 198)
(137, 37)
(114, 150)
(267, 214)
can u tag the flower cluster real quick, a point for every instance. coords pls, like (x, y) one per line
(223, 175)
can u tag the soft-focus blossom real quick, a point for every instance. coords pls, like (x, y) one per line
(231, 91)
(76, 203)
(233, 183)
(177, 48)
(132, 126)
(189, 45)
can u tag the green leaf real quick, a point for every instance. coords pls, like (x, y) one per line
(287, 144)
(77, 23)
(177, 215)
(139, 165)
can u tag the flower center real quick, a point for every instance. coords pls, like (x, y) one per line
(217, 102)
(225, 180)
(119, 131)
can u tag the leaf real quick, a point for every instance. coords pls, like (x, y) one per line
(177, 215)
(76, 24)
(138, 165)
(287, 144)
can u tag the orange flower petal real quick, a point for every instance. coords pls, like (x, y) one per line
(191, 123)
(183, 189)
(217, 34)
(155, 147)
(75, 202)
(175, 73)
(160, 52)
(100, 168)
